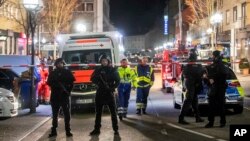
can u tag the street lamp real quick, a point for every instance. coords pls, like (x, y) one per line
(215, 20)
(32, 7)
(81, 27)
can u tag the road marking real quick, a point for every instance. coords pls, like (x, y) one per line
(190, 131)
(221, 140)
(34, 128)
(247, 108)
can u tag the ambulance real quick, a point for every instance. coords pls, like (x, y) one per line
(81, 53)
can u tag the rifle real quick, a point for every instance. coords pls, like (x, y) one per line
(105, 83)
(64, 89)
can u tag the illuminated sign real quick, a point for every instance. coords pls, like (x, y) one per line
(165, 25)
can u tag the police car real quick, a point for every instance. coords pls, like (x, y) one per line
(234, 94)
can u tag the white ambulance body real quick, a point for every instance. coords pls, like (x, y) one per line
(86, 49)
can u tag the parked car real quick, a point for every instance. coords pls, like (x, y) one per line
(234, 94)
(8, 103)
(7, 76)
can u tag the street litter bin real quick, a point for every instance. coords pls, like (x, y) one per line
(25, 95)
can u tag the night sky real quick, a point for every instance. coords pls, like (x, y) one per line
(133, 17)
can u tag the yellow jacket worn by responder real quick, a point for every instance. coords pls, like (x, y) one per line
(127, 76)
(144, 81)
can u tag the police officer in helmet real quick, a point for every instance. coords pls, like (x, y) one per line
(217, 75)
(107, 79)
(192, 83)
(60, 81)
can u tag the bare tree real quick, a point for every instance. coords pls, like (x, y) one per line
(23, 20)
(201, 8)
(2, 2)
(58, 15)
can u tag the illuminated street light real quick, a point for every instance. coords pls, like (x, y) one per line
(215, 20)
(81, 27)
(32, 7)
(43, 40)
(209, 30)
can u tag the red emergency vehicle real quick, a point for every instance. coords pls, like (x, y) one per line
(171, 68)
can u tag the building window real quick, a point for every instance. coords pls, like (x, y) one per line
(235, 14)
(227, 17)
(81, 7)
(90, 7)
(243, 8)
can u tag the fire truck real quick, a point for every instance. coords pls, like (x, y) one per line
(171, 68)
(81, 53)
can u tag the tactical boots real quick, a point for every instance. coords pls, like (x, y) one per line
(69, 134)
(138, 112)
(95, 132)
(182, 121)
(144, 111)
(199, 119)
(53, 133)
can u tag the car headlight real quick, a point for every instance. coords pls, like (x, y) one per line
(2, 98)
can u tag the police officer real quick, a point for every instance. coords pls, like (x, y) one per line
(60, 81)
(192, 83)
(144, 80)
(127, 76)
(107, 79)
(217, 75)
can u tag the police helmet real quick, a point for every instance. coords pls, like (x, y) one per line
(193, 55)
(59, 60)
(216, 53)
(104, 56)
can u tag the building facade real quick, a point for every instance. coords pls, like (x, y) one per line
(134, 44)
(91, 16)
(12, 37)
(233, 32)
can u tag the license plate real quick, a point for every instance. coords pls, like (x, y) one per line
(84, 101)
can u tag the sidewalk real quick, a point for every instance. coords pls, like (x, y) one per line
(16, 128)
(244, 81)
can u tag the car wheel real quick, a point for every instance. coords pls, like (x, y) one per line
(176, 106)
(238, 109)
(169, 90)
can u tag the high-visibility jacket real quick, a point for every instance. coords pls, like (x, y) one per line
(127, 75)
(144, 76)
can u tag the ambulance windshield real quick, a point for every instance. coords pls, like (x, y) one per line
(84, 56)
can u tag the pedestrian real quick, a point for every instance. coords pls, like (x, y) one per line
(217, 75)
(127, 75)
(144, 81)
(192, 85)
(43, 88)
(60, 81)
(107, 79)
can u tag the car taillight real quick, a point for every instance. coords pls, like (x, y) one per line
(234, 84)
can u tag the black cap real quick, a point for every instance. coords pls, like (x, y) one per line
(59, 60)
(193, 55)
(104, 56)
(216, 53)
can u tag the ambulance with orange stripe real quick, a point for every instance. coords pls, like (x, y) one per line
(81, 53)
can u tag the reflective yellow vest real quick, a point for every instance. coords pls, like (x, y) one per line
(127, 75)
(146, 79)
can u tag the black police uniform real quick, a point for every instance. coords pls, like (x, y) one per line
(216, 96)
(61, 82)
(107, 79)
(192, 75)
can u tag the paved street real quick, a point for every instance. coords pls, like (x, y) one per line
(160, 124)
